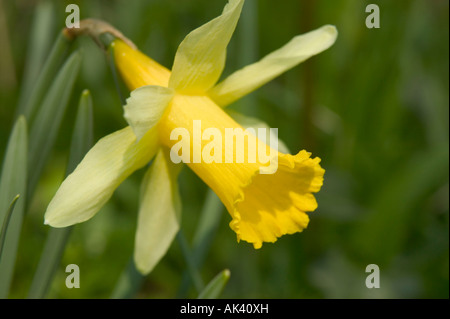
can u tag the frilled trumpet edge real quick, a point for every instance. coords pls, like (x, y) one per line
(272, 205)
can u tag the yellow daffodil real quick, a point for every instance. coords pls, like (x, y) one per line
(263, 207)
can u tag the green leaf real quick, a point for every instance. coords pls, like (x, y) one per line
(37, 51)
(204, 234)
(129, 282)
(82, 138)
(207, 226)
(12, 182)
(5, 223)
(44, 129)
(58, 237)
(188, 256)
(55, 243)
(30, 102)
(215, 286)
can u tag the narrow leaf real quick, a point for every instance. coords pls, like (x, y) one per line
(192, 269)
(30, 102)
(58, 237)
(38, 47)
(5, 223)
(204, 235)
(45, 128)
(12, 182)
(129, 282)
(215, 286)
(82, 138)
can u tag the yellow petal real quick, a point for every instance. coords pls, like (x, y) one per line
(270, 206)
(200, 58)
(145, 107)
(136, 68)
(104, 167)
(263, 207)
(159, 213)
(255, 75)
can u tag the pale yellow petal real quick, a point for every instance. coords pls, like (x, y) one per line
(104, 167)
(159, 213)
(255, 75)
(200, 58)
(145, 107)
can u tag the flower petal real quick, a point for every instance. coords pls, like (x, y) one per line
(255, 75)
(251, 122)
(145, 107)
(200, 58)
(159, 213)
(136, 68)
(104, 167)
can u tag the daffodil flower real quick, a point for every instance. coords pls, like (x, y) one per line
(263, 207)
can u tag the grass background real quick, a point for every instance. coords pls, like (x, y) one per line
(374, 108)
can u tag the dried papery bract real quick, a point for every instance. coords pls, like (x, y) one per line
(95, 29)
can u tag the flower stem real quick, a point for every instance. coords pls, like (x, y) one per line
(188, 256)
(129, 282)
(206, 230)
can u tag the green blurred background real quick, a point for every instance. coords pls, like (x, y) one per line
(374, 108)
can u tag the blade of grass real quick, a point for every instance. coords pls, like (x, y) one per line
(6, 223)
(12, 182)
(44, 129)
(58, 237)
(215, 286)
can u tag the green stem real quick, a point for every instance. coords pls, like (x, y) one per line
(206, 230)
(192, 269)
(129, 282)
